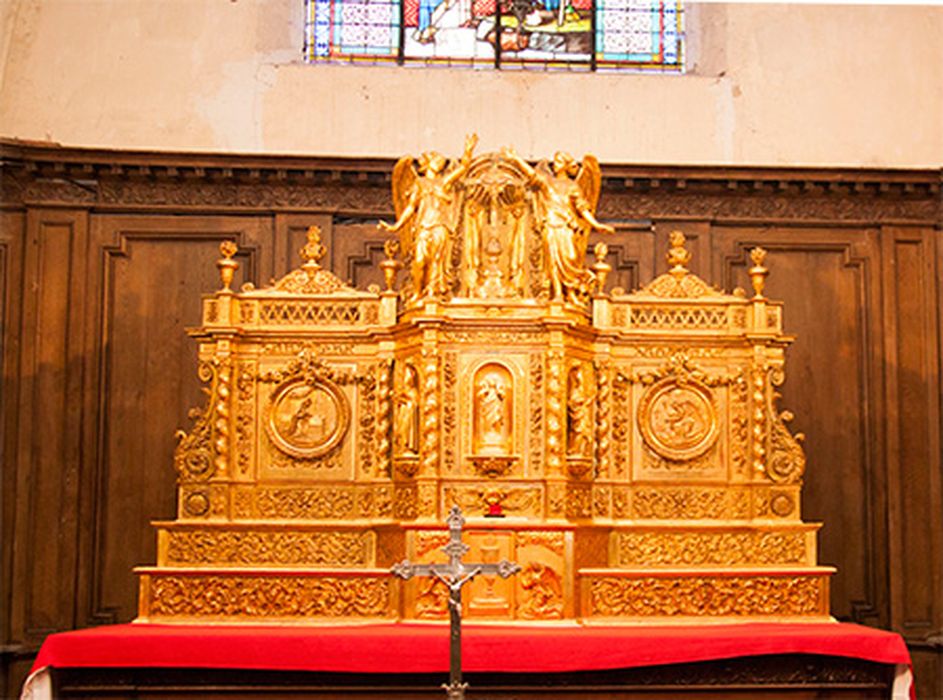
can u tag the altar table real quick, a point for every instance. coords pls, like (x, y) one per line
(411, 660)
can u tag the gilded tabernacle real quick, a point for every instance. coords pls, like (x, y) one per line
(625, 448)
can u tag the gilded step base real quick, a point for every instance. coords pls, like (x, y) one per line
(699, 595)
(274, 595)
(713, 545)
(264, 545)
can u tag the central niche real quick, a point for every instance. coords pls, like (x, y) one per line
(493, 411)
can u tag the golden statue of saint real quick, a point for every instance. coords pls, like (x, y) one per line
(492, 414)
(567, 194)
(406, 425)
(578, 416)
(425, 212)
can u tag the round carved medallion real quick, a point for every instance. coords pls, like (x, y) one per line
(308, 420)
(678, 421)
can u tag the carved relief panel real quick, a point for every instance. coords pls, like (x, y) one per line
(544, 590)
(681, 420)
(307, 414)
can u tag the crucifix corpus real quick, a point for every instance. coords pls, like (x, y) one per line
(455, 574)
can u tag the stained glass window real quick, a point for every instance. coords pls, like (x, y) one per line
(542, 34)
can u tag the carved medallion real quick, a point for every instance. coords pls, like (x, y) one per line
(308, 419)
(678, 420)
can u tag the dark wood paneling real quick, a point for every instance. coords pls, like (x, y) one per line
(828, 280)
(12, 228)
(913, 420)
(631, 255)
(358, 249)
(146, 271)
(49, 417)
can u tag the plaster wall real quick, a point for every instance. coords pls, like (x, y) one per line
(768, 84)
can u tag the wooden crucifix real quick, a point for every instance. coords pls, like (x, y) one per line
(455, 574)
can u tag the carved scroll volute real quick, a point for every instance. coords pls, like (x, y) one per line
(195, 454)
(493, 409)
(777, 453)
(786, 461)
(203, 454)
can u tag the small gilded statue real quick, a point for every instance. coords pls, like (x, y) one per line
(492, 432)
(567, 194)
(579, 418)
(406, 425)
(424, 200)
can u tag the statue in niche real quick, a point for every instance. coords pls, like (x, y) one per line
(578, 415)
(567, 194)
(492, 411)
(424, 199)
(406, 425)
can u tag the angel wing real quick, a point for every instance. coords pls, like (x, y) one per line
(404, 181)
(404, 178)
(545, 175)
(589, 179)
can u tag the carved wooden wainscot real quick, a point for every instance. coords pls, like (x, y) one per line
(626, 448)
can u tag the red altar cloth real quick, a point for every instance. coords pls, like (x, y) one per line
(423, 648)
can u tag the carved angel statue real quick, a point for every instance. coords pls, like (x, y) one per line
(567, 194)
(423, 197)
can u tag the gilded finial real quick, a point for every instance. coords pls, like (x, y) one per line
(390, 266)
(312, 251)
(226, 265)
(601, 268)
(678, 257)
(758, 272)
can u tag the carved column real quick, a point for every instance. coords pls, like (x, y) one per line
(429, 456)
(556, 434)
(384, 418)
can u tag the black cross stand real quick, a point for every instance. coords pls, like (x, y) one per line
(455, 574)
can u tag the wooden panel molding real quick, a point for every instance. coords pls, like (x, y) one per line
(48, 452)
(147, 271)
(360, 186)
(912, 368)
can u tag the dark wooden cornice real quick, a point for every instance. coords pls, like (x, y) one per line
(41, 172)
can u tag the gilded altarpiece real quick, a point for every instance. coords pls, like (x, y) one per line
(625, 448)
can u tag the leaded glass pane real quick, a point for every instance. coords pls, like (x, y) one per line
(449, 31)
(353, 30)
(543, 34)
(640, 33)
(550, 33)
